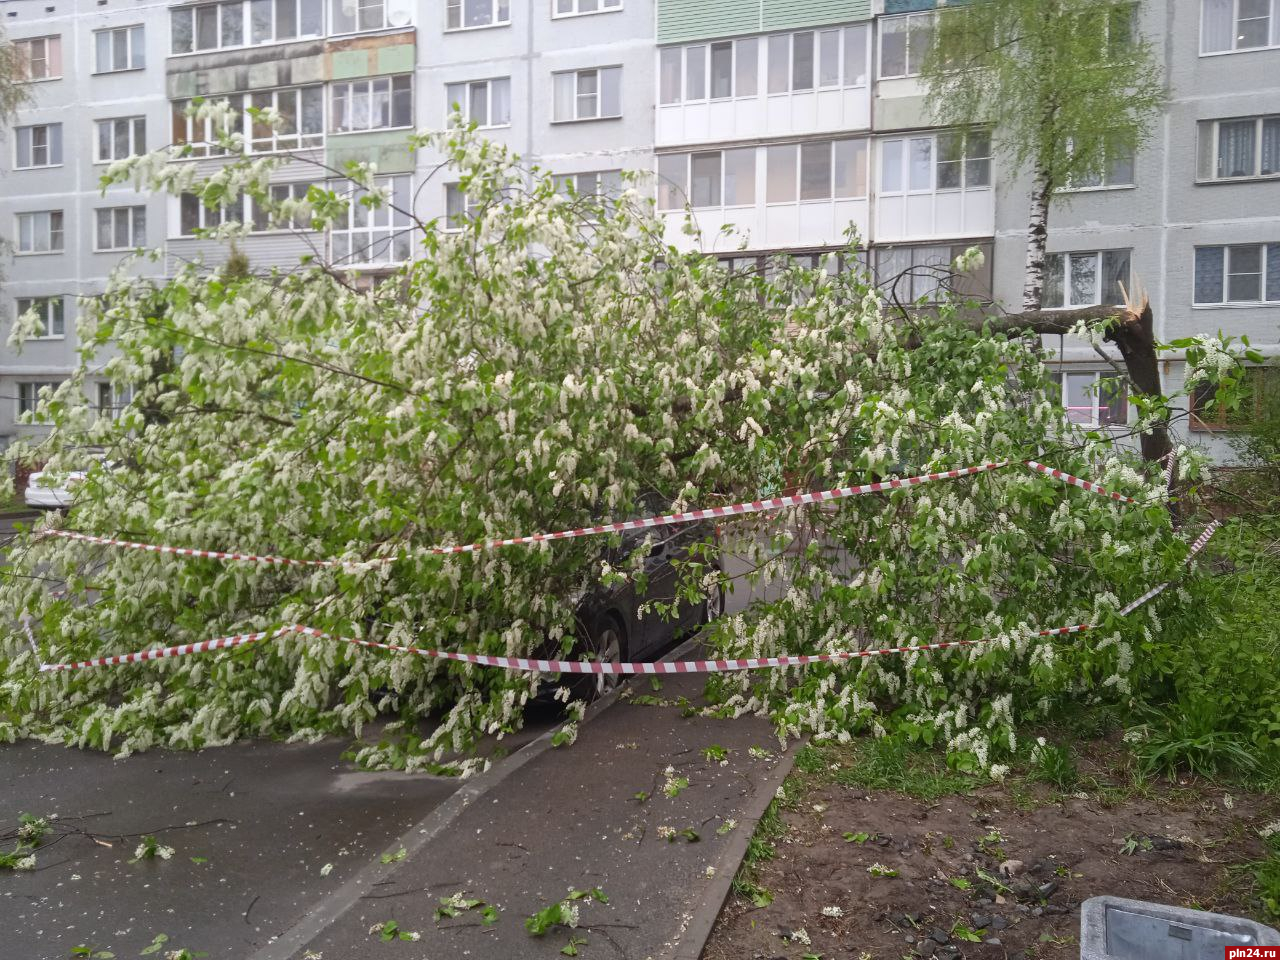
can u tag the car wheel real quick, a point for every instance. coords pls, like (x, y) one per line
(607, 643)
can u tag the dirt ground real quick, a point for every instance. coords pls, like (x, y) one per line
(999, 872)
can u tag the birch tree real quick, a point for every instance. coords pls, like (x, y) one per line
(1069, 86)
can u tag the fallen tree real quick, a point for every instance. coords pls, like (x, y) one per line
(540, 367)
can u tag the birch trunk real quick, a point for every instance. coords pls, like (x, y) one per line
(1037, 238)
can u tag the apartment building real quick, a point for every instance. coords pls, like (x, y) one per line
(798, 122)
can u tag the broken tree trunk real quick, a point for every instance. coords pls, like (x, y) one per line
(1133, 333)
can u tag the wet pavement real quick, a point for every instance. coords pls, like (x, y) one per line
(262, 820)
(604, 813)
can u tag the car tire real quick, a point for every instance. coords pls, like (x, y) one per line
(606, 641)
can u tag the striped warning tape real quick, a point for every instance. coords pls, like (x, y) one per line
(689, 516)
(1077, 482)
(1200, 543)
(530, 664)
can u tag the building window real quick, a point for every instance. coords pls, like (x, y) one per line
(1117, 171)
(572, 8)
(367, 235)
(273, 216)
(925, 273)
(833, 262)
(274, 21)
(1228, 25)
(486, 103)
(964, 160)
(121, 228)
(121, 48)
(112, 399)
(207, 26)
(1261, 396)
(39, 58)
(815, 170)
(1086, 279)
(592, 183)
(218, 26)
(1242, 273)
(354, 16)
(1242, 147)
(29, 393)
(301, 111)
(1094, 399)
(796, 62)
(458, 207)
(200, 136)
(467, 14)
(38, 146)
(588, 94)
(50, 312)
(40, 232)
(379, 103)
(195, 217)
(904, 42)
(120, 137)
(948, 161)
(713, 178)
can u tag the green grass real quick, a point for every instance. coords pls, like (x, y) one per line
(886, 763)
(760, 849)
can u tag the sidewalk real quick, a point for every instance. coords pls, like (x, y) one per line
(571, 818)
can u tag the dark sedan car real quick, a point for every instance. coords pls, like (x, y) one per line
(612, 626)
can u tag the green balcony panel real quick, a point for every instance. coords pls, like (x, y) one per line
(680, 21)
(785, 14)
(396, 59)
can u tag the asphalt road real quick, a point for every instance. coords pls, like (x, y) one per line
(260, 819)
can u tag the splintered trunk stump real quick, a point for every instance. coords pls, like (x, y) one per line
(1134, 336)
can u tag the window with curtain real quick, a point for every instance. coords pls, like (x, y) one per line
(120, 228)
(38, 146)
(487, 103)
(40, 231)
(594, 94)
(119, 137)
(1239, 273)
(923, 272)
(120, 48)
(1094, 399)
(1230, 25)
(50, 310)
(38, 58)
(377, 103)
(1085, 279)
(1239, 147)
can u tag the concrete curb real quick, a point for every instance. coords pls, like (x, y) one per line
(703, 918)
(339, 901)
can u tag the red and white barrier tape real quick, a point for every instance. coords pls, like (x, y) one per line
(530, 664)
(1200, 543)
(689, 516)
(1077, 482)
